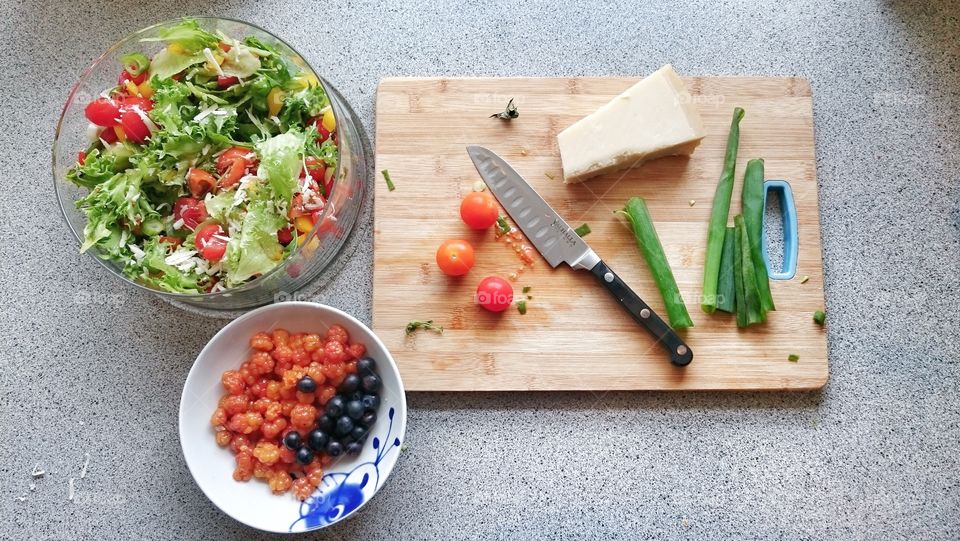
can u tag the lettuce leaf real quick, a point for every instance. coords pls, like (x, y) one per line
(118, 201)
(281, 159)
(154, 271)
(240, 61)
(167, 63)
(188, 35)
(254, 250)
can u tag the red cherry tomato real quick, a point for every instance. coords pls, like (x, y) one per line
(125, 76)
(103, 112)
(479, 210)
(227, 82)
(296, 207)
(133, 109)
(285, 236)
(81, 157)
(455, 257)
(211, 242)
(495, 294)
(324, 133)
(108, 136)
(191, 211)
(316, 167)
(232, 154)
(128, 102)
(199, 182)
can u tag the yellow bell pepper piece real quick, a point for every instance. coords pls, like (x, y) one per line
(303, 224)
(329, 122)
(274, 101)
(145, 89)
(131, 87)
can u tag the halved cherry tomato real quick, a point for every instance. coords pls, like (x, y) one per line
(455, 257)
(479, 210)
(211, 242)
(103, 112)
(199, 182)
(125, 76)
(231, 155)
(108, 136)
(133, 126)
(224, 46)
(285, 236)
(191, 211)
(296, 207)
(316, 167)
(328, 223)
(227, 82)
(495, 294)
(323, 133)
(128, 102)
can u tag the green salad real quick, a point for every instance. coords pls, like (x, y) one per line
(209, 162)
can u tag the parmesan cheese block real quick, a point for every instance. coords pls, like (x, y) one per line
(654, 118)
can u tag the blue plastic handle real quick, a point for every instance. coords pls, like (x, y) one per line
(791, 243)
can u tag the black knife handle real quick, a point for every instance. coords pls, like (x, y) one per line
(680, 353)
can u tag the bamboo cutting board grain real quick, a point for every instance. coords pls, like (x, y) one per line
(574, 335)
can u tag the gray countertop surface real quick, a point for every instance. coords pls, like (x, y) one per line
(90, 366)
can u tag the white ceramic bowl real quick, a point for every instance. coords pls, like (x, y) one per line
(348, 483)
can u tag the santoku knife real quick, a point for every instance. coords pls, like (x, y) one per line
(558, 243)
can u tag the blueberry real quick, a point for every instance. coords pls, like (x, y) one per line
(371, 402)
(334, 448)
(292, 440)
(326, 423)
(350, 384)
(359, 433)
(304, 456)
(335, 406)
(344, 425)
(366, 366)
(371, 383)
(369, 418)
(354, 448)
(354, 409)
(306, 385)
(317, 440)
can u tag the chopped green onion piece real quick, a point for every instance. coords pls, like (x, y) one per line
(522, 307)
(386, 176)
(583, 230)
(819, 317)
(509, 113)
(793, 357)
(135, 63)
(805, 279)
(503, 225)
(428, 324)
(526, 289)
(548, 175)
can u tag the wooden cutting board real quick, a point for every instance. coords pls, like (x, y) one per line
(574, 336)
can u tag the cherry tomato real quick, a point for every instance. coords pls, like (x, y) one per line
(199, 182)
(495, 294)
(323, 133)
(191, 211)
(103, 112)
(233, 174)
(81, 157)
(211, 242)
(108, 136)
(232, 154)
(479, 210)
(285, 236)
(227, 82)
(129, 102)
(316, 167)
(133, 125)
(455, 257)
(296, 207)
(125, 76)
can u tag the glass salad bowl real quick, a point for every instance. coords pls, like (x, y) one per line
(306, 246)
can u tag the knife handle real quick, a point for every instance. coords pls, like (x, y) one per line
(680, 353)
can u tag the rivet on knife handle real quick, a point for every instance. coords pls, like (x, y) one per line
(680, 352)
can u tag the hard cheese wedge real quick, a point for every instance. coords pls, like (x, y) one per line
(654, 118)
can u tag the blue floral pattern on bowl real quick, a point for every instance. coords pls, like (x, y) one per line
(342, 493)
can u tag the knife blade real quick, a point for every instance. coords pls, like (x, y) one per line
(558, 243)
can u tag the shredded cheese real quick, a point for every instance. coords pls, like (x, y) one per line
(86, 462)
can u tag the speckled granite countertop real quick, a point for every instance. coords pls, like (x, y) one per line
(90, 367)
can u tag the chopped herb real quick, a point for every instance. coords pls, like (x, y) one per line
(526, 289)
(522, 307)
(509, 113)
(793, 357)
(805, 279)
(503, 225)
(548, 175)
(428, 325)
(479, 186)
(819, 317)
(583, 230)
(529, 297)
(386, 176)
